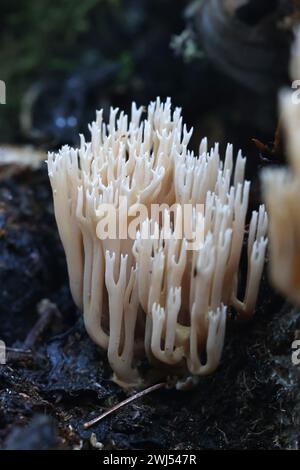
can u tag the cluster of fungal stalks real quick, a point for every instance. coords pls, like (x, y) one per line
(281, 187)
(163, 292)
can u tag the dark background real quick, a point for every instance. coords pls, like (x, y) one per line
(223, 61)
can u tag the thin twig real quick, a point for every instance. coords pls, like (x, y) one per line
(134, 397)
(47, 311)
(16, 354)
(26, 352)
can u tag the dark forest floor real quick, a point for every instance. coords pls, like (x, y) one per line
(55, 381)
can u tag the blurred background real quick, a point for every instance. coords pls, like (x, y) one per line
(223, 61)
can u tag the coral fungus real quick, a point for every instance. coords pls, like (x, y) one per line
(153, 237)
(281, 187)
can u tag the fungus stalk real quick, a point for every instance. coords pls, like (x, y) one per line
(153, 237)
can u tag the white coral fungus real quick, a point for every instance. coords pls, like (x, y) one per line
(281, 187)
(153, 295)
